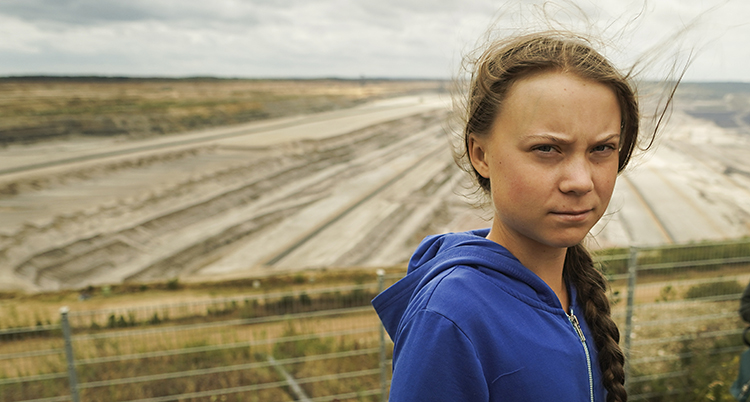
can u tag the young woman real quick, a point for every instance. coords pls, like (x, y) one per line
(518, 312)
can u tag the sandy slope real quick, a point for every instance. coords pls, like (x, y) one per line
(357, 187)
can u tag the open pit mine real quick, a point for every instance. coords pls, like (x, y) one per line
(357, 187)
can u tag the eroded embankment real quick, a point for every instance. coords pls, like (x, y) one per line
(260, 207)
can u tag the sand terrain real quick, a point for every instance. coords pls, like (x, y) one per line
(352, 187)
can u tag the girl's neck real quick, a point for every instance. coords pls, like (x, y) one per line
(549, 268)
(546, 262)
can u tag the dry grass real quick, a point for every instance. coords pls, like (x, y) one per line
(668, 339)
(18, 309)
(207, 348)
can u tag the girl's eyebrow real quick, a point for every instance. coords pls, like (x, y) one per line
(562, 140)
(612, 137)
(548, 137)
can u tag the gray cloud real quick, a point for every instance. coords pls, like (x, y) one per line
(75, 11)
(348, 38)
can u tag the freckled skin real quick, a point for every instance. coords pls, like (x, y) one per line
(551, 158)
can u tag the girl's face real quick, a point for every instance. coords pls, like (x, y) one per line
(551, 158)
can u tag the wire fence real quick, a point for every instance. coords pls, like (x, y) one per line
(676, 307)
(317, 345)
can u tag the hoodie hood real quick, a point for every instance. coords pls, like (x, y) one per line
(439, 253)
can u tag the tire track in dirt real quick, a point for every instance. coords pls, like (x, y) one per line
(357, 204)
(292, 180)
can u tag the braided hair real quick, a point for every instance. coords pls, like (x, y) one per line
(579, 270)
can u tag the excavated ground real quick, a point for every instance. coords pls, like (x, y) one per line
(361, 197)
(357, 187)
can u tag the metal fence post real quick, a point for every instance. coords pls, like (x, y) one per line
(383, 373)
(632, 275)
(72, 378)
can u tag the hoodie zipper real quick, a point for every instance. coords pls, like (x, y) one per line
(574, 320)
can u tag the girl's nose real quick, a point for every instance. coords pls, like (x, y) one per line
(577, 177)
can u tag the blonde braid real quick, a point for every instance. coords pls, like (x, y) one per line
(591, 288)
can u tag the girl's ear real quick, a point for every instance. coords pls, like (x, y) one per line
(476, 146)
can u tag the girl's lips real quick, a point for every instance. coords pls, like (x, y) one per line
(583, 211)
(573, 216)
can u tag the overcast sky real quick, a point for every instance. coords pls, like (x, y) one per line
(320, 38)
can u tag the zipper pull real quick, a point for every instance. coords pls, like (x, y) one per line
(574, 320)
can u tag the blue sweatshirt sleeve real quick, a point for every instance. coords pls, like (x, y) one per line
(435, 361)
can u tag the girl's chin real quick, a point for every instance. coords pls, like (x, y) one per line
(567, 241)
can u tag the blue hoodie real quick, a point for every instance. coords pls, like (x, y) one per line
(470, 323)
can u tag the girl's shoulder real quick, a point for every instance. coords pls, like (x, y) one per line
(464, 293)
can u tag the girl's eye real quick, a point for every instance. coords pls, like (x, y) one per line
(544, 148)
(603, 148)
